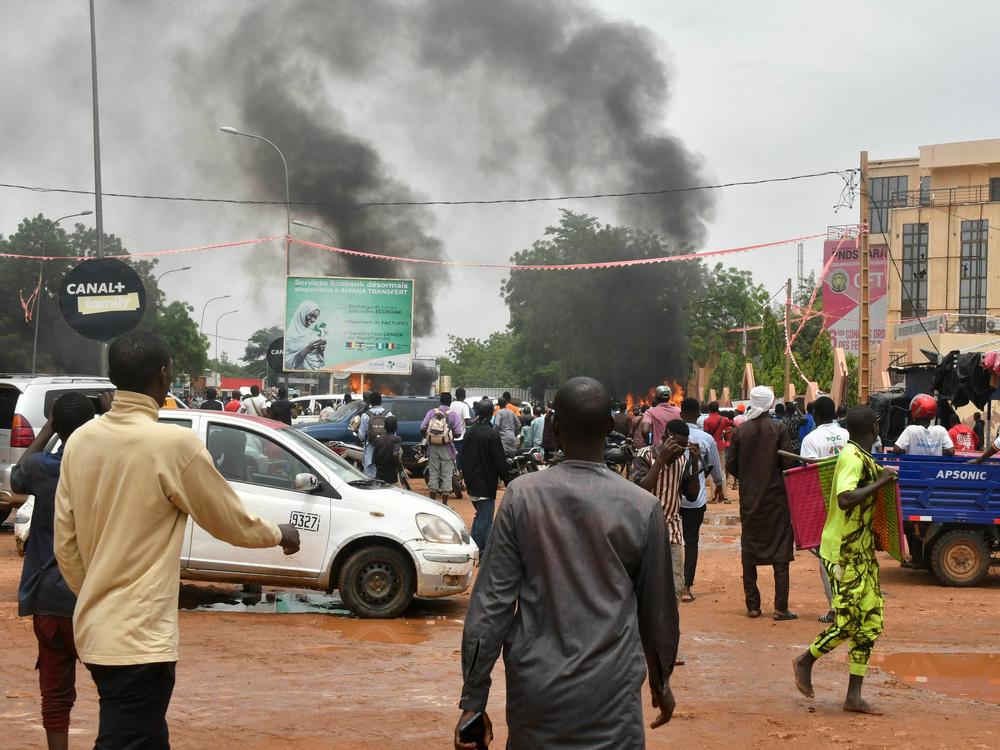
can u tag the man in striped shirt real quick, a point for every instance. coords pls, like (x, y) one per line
(667, 470)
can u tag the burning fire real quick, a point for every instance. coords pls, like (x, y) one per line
(370, 385)
(633, 400)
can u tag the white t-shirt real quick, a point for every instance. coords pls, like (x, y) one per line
(826, 440)
(254, 406)
(462, 409)
(924, 441)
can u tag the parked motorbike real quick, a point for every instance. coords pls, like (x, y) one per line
(351, 453)
(422, 469)
(619, 453)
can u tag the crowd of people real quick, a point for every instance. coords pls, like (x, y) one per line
(582, 572)
(522, 583)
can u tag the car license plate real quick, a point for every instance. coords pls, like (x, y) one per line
(304, 521)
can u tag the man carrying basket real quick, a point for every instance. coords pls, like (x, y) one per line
(848, 555)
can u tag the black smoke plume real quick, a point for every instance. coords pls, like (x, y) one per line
(549, 94)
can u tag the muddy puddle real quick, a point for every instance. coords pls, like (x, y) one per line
(971, 676)
(340, 619)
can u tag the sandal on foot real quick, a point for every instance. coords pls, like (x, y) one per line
(753, 614)
(786, 615)
(687, 597)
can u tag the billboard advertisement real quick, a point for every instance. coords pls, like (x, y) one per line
(348, 325)
(842, 293)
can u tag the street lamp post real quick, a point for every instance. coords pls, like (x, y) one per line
(288, 201)
(201, 325)
(172, 270)
(231, 312)
(298, 223)
(38, 297)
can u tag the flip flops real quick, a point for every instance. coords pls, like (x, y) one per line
(786, 615)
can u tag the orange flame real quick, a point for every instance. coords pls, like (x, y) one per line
(633, 400)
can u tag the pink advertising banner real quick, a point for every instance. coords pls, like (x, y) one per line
(842, 293)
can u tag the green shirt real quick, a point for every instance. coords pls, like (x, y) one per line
(847, 534)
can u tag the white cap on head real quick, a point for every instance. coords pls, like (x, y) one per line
(761, 401)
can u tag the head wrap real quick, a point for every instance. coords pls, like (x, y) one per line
(761, 401)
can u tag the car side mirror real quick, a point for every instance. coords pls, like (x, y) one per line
(306, 483)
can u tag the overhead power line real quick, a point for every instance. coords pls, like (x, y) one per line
(463, 202)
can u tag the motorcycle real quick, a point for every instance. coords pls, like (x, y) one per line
(351, 453)
(422, 469)
(619, 453)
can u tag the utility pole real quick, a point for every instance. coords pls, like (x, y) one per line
(788, 339)
(98, 198)
(864, 326)
(800, 263)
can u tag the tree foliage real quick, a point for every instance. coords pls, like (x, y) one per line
(625, 326)
(728, 299)
(488, 362)
(255, 354)
(60, 349)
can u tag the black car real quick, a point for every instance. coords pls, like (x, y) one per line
(408, 410)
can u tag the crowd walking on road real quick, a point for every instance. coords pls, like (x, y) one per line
(554, 595)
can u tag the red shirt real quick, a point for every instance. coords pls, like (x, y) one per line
(232, 405)
(718, 426)
(964, 438)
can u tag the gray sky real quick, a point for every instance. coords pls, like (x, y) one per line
(756, 93)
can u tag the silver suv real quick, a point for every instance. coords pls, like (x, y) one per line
(25, 405)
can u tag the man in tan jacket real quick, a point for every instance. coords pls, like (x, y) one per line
(125, 492)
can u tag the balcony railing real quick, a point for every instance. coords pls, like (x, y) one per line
(953, 196)
(948, 323)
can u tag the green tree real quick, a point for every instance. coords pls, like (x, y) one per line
(728, 299)
(229, 369)
(769, 367)
(60, 349)
(188, 347)
(255, 354)
(728, 373)
(486, 363)
(625, 326)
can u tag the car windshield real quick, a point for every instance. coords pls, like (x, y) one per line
(346, 411)
(324, 455)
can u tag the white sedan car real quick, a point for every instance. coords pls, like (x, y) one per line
(378, 545)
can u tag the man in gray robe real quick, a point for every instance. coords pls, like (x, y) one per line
(576, 587)
(766, 537)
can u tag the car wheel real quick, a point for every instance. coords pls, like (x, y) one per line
(961, 558)
(377, 583)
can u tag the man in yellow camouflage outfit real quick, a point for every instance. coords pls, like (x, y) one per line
(848, 554)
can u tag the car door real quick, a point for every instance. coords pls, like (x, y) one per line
(188, 422)
(262, 470)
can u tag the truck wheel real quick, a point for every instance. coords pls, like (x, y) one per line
(377, 583)
(960, 558)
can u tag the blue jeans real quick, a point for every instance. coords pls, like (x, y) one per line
(482, 524)
(367, 460)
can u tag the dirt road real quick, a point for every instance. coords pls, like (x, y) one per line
(249, 680)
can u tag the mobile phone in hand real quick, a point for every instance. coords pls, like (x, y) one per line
(474, 730)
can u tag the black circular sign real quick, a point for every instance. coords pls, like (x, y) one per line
(102, 298)
(276, 354)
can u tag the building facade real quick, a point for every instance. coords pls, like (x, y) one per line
(937, 217)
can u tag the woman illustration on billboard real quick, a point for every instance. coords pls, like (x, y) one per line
(305, 339)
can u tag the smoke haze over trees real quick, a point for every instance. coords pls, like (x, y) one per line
(551, 88)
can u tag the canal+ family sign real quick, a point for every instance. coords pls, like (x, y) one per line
(102, 298)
